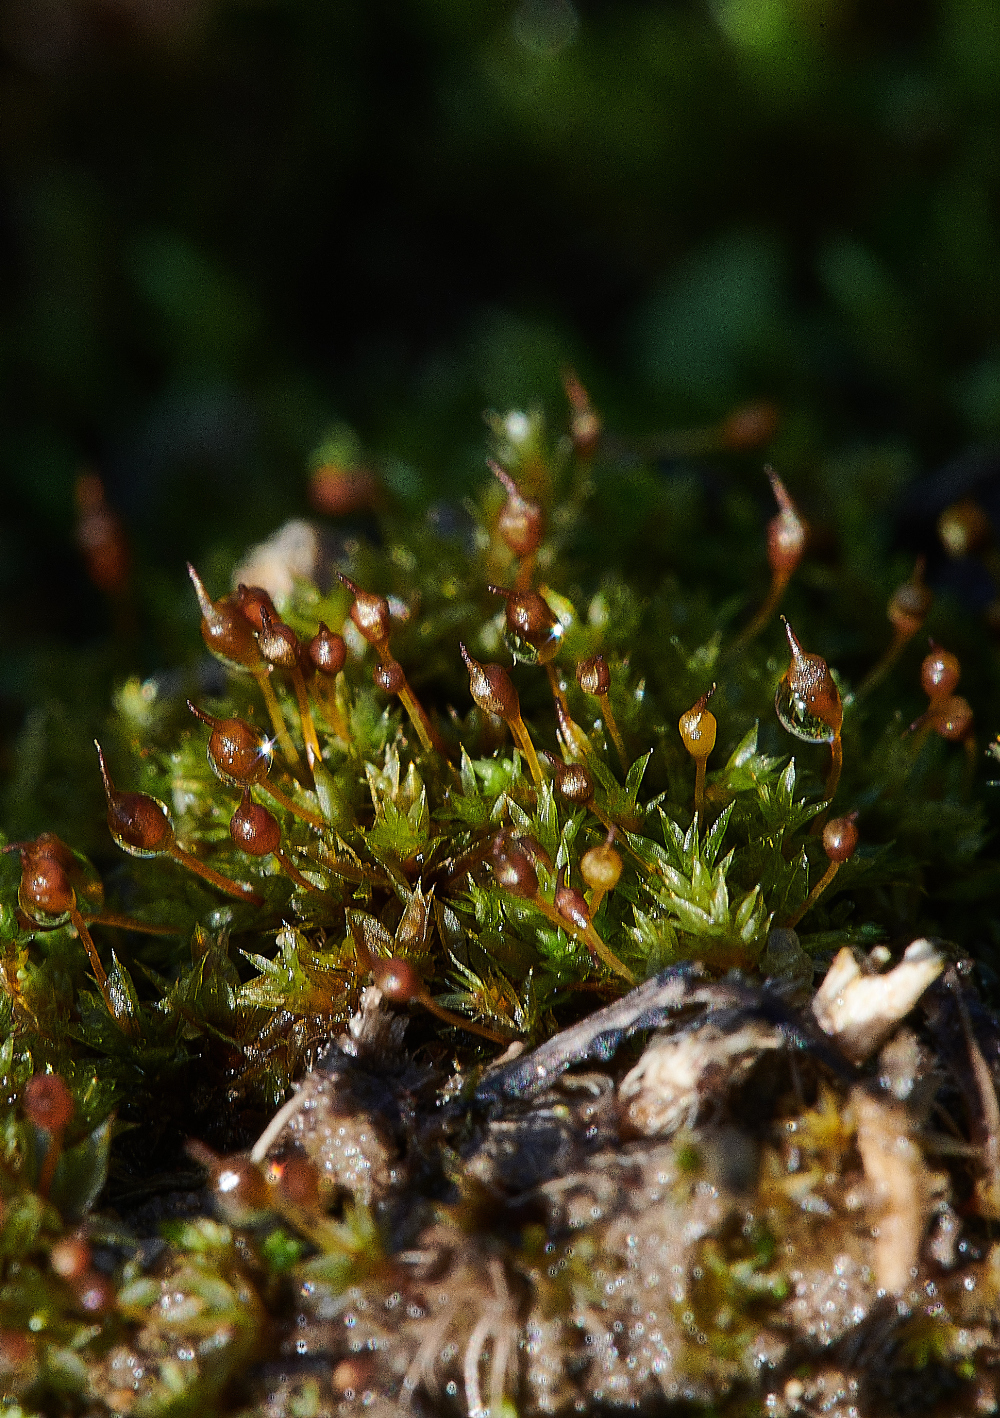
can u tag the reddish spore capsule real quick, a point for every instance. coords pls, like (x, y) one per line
(840, 838)
(47, 1101)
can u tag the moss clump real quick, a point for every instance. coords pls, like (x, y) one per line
(394, 828)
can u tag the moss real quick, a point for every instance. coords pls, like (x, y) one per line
(758, 1212)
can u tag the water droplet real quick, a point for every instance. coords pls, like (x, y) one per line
(794, 714)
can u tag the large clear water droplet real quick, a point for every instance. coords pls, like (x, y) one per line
(795, 715)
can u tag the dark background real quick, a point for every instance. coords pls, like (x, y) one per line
(229, 231)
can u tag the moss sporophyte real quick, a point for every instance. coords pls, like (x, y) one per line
(365, 1113)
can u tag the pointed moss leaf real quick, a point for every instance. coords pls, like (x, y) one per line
(489, 997)
(746, 767)
(331, 803)
(745, 750)
(719, 905)
(370, 934)
(124, 1000)
(545, 822)
(396, 835)
(691, 917)
(81, 1173)
(449, 926)
(656, 939)
(564, 851)
(713, 837)
(634, 777)
(297, 980)
(467, 776)
(751, 920)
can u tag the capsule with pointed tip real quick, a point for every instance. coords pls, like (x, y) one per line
(138, 822)
(231, 637)
(521, 523)
(141, 826)
(808, 701)
(278, 642)
(594, 678)
(787, 533)
(909, 603)
(808, 704)
(493, 690)
(227, 632)
(238, 753)
(253, 601)
(698, 727)
(370, 614)
(532, 632)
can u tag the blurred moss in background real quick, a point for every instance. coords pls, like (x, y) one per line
(233, 232)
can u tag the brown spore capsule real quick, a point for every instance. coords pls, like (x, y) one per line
(492, 688)
(48, 1102)
(238, 753)
(512, 869)
(750, 426)
(240, 1190)
(532, 631)
(253, 829)
(370, 615)
(910, 603)
(787, 533)
(601, 867)
(388, 676)
(398, 980)
(840, 838)
(327, 650)
(575, 783)
(593, 675)
(952, 718)
(70, 1257)
(698, 727)
(139, 823)
(940, 673)
(521, 523)
(964, 528)
(253, 601)
(45, 889)
(808, 692)
(225, 629)
(278, 642)
(585, 422)
(571, 904)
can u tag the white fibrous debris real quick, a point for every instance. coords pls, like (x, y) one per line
(290, 555)
(861, 1011)
(901, 1190)
(664, 1090)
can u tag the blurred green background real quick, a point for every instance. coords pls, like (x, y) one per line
(228, 227)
